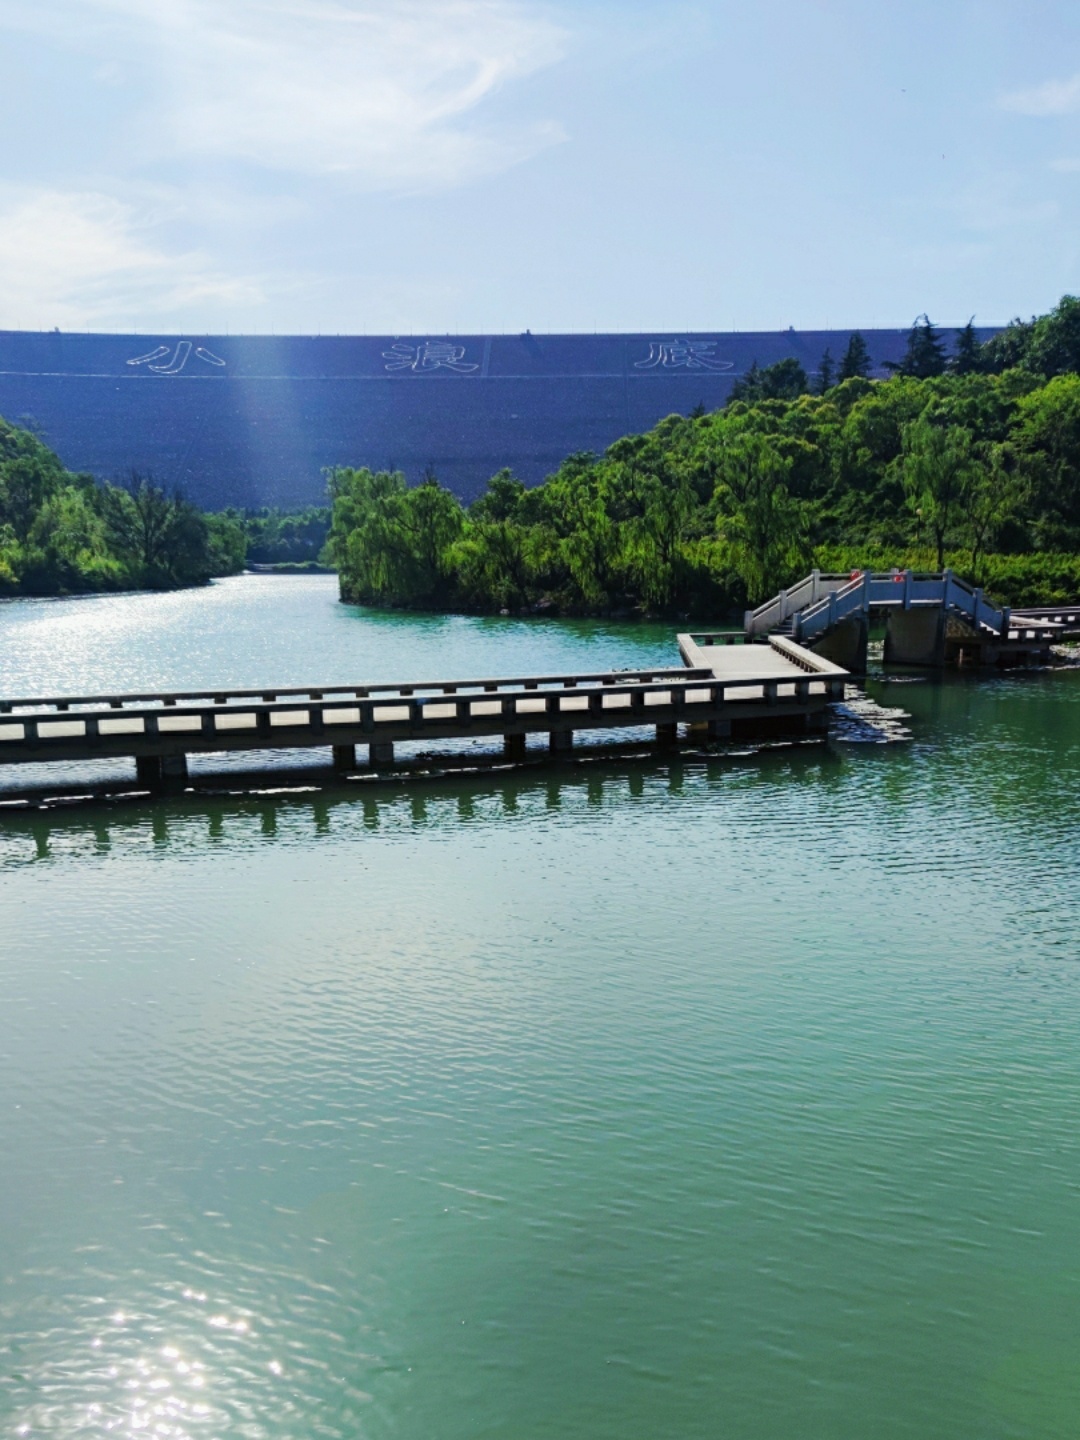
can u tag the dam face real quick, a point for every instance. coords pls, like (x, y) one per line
(256, 420)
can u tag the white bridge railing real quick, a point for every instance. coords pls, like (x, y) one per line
(820, 601)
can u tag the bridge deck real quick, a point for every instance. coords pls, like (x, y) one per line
(161, 729)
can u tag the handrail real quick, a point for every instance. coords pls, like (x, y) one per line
(168, 731)
(268, 693)
(866, 590)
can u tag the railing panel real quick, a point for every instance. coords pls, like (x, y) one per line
(242, 720)
(61, 729)
(131, 726)
(179, 724)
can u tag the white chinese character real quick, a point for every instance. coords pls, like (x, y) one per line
(431, 355)
(177, 360)
(683, 355)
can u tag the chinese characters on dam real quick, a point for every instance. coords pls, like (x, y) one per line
(162, 362)
(683, 355)
(429, 357)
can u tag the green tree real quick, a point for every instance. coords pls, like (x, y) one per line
(1055, 340)
(164, 540)
(783, 381)
(826, 373)
(762, 523)
(1009, 348)
(925, 354)
(966, 358)
(856, 359)
(993, 494)
(1047, 439)
(936, 467)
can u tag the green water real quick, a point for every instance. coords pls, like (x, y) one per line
(730, 1099)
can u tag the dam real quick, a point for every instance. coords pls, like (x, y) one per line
(250, 421)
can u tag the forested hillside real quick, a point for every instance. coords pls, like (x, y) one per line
(62, 533)
(968, 456)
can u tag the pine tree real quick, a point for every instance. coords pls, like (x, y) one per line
(925, 354)
(826, 374)
(747, 387)
(856, 359)
(966, 357)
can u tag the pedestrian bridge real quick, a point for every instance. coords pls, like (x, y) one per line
(932, 618)
(723, 689)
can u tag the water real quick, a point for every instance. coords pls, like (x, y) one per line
(690, 1100)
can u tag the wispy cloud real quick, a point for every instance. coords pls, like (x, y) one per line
(74, 259)
(385, 93)
(1052, 97)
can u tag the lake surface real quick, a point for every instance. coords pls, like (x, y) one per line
(737, 1098)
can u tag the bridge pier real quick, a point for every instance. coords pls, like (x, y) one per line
(915, 637)
(161, 773)
(381, 752)
(667, 735)
(560, 741)
(344, 757)
(514, 746)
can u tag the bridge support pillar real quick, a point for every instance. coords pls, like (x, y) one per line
(915, 637)
(344, 757)
(514, 746)
(846, 644)
(667, 735)
(560, 740)
(161, 773)
(381, 752)
(710, 730)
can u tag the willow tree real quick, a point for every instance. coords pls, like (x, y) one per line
(936, 467)
(763, 523)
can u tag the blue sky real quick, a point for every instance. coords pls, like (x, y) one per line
(342, 166)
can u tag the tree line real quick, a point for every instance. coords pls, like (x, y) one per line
(63, 533)
(968, 457)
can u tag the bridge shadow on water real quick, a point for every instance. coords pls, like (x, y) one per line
(296, 807)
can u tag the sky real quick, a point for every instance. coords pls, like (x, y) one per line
(474, 166)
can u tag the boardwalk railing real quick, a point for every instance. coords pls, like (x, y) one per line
(839, 598)
(151, 727)
(780, 608)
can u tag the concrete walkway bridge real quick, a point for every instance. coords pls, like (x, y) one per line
(931, 618)
(724, 689)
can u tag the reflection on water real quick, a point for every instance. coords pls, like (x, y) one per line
(94, 826)
(696, 1098)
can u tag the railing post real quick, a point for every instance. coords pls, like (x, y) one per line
(1006, 621)
(866, 592)
(783, 606)
(815, 584)
(748, 620)
(907, 589)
